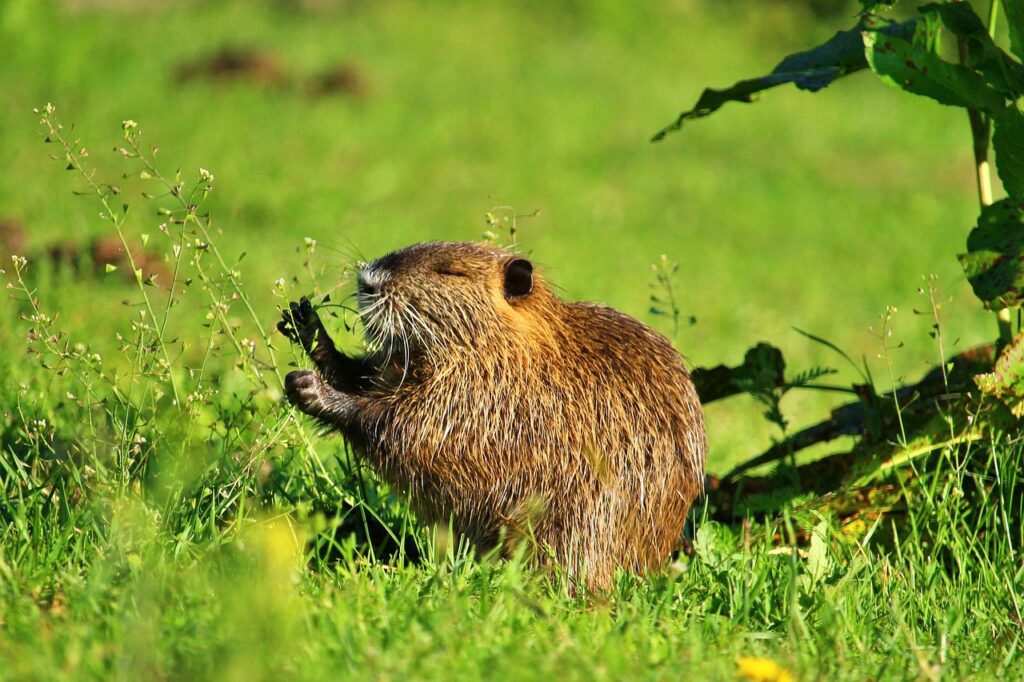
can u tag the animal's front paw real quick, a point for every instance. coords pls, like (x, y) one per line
(302, 325)
(306, 390)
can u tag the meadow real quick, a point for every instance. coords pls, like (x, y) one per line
(164, 514)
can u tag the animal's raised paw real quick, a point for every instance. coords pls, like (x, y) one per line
(305, 390)
(300, 323)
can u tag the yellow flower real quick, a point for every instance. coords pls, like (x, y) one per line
(761, 670)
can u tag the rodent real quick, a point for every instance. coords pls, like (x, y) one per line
(489, 400)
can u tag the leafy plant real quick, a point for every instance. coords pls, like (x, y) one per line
(948, 54)
(985, 80)
(216, 390)
(663, 298)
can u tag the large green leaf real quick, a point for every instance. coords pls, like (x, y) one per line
(914, 69)
(1015, 16)
(982, 54)
(1008, 142)
(994, 262)
(812, 70)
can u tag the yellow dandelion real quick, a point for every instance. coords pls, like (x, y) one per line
(761, 670)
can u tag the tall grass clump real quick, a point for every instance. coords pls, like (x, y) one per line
(163, 435)
(166, 384)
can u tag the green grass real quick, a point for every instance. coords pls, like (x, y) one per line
(221, 536)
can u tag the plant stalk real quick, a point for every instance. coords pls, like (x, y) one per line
(981, 133)
(1002, 315)
(981, 127)
(993, 13)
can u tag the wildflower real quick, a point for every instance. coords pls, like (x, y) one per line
(761, 670)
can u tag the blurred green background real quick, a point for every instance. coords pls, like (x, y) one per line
(370, 125)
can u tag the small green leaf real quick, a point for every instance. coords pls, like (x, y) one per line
(914, 69)
(109, 267)
(819, 564)
(1015, 17)
(994, 262)
(959, 18)
(1000, 70)
(1008, 142)
(712, 545)
(840, 55)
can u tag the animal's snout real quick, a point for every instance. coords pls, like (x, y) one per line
(365, 287)
(369, 280)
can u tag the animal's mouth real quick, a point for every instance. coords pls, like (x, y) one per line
(379, 317)
(376, 309)
(396, 333)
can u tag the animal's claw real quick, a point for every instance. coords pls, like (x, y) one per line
(302, 325)
(286, 328)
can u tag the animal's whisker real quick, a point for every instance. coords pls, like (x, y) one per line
(424, 332)
(350, 251)
(405, 348)
(368, 310)
(389, 330)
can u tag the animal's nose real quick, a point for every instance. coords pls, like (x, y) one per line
(368, 281)
(365, 287)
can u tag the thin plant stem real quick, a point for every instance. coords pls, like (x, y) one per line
(74, 154)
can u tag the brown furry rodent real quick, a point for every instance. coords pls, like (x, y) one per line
(488, 399)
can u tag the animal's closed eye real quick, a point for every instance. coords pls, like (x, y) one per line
(449, 272)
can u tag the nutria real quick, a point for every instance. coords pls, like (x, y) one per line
(491, 401)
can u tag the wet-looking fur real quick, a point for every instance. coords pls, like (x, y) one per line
(491, 401)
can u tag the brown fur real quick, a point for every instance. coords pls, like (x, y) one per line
(515, 415)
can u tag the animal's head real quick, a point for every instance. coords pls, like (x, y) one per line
(439, 297)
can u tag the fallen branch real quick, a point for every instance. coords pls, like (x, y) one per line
(874, 414)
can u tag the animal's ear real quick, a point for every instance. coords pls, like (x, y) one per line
(518, 278)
